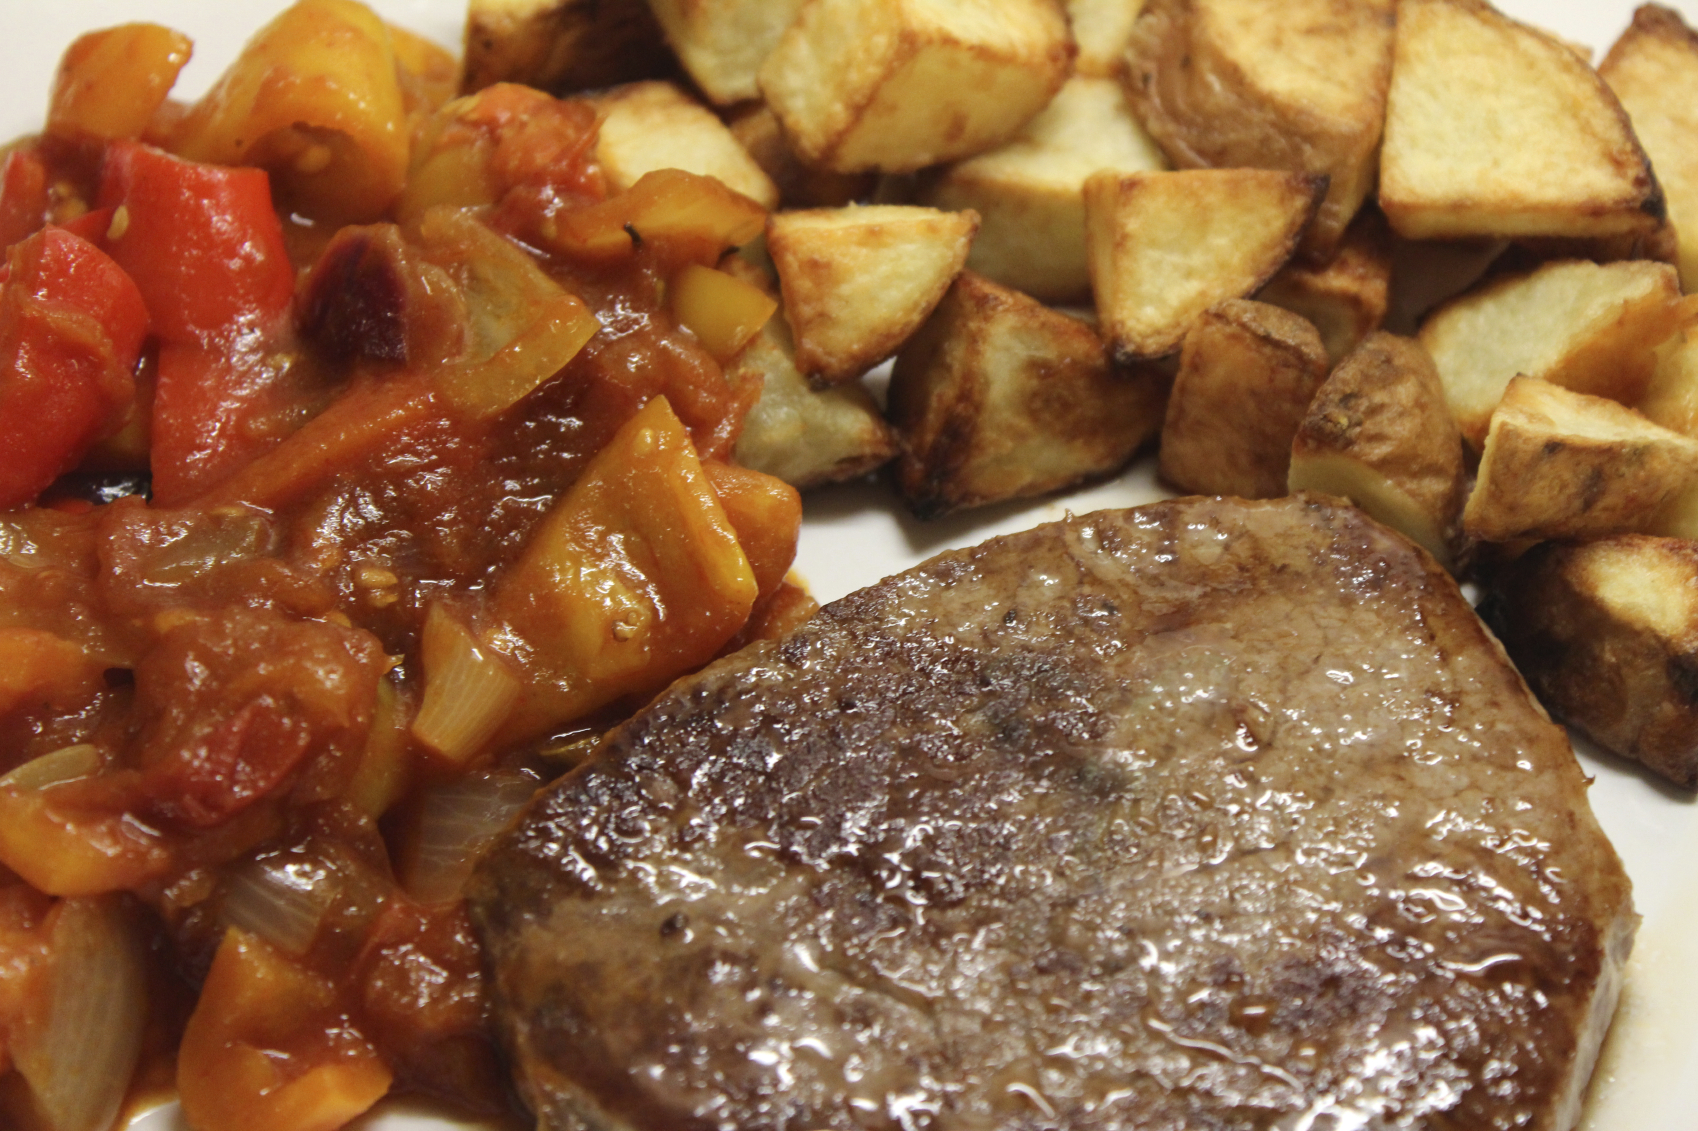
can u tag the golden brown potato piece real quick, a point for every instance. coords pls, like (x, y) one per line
(896, 85)
(1589, 327)
(1101, 29)
(1671, 397)
(1379, 433)
(1606, 633)
(999, 397)
(1298, 85)
(805, 436)
(1345, 298)
(1653, 69)
(1029, 193)
(1560, 464)
(1246, 377)
(756, 129)
(1164, 247)
(563, 46)
(654, 125)
(858, 280)
(1494, 128)
(722, 43)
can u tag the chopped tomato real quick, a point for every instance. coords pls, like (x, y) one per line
(241, 704)
(71, 329)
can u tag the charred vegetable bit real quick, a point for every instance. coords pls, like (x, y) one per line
(356, 460)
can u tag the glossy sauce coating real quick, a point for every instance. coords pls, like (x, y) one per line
(1201, 815)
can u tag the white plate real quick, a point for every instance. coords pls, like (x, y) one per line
(1648, 1080)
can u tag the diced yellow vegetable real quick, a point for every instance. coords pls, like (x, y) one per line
(64, 850)
(722, 311)
(315, 99)
(666, 205)
(266, 1050)
(111, 81)
(40, 666)
(766, 513)
(635, 577)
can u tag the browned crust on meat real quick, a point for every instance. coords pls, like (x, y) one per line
(1205, 814)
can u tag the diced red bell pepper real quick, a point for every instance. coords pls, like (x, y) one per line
(23, 195)
(206, 248)
(215, 409)
(71, 329)
(201, 241)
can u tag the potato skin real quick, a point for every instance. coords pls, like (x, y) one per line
(1348, 297)
(1589, 327)
(1572, 617)
(858, 281)
(890, 86)
(999, 397)
(1380, 422)
(1298, 85)
(1246, 376)
(802, 435)
(1560, 464)
(563, 46)
(1653, 69)
(1464, 78)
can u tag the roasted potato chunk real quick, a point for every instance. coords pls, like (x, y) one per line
(756, 129)
(1671, 398)
(1560, 464)
(896, 85)
(1378, 432)
(1164, 247)
(999, 397)
(1246, 376)
(1494, 128)
(654, 125)
(1029, 193)
(1590, 327)
(857, 281)
(805, 436)
(1653, 69)
(1606, 632)
(722, 43)
(1298, 85)
(563, 46)
(1346, 298)
(1101, 29)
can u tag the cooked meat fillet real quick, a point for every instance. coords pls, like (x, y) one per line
(1207, 814)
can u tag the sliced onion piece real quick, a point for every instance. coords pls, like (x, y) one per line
(282, 902)
(457, 824)
(68, 763)
(78, 1061)
(468, 690)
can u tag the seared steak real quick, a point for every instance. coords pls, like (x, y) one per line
(1207, 814)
